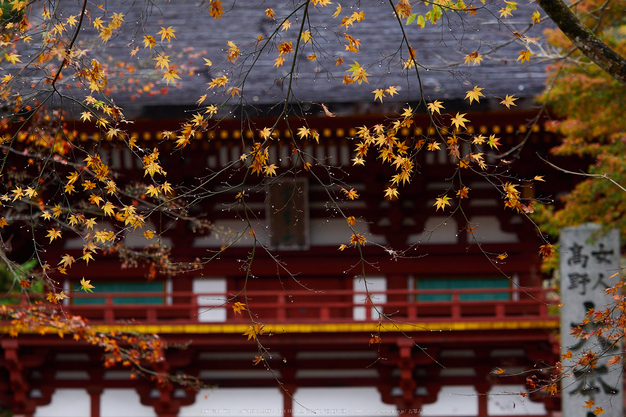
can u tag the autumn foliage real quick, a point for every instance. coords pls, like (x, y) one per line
(56, 186)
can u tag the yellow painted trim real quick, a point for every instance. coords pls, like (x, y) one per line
(325, 327)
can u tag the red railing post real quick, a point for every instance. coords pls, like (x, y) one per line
(151, 315)
(412, 311)
(281, 313)
(109, 315)
(500, 310)
(324, 313)
(456, 306)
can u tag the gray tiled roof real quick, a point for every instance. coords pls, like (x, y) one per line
(199, 36)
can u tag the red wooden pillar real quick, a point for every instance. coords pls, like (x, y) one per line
(398, 282)
(94, 397)
(288, 389)
(23, 406)
(483, 396)
(288, 393)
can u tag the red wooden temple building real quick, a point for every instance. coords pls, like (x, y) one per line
(452, 313)
(417, 332)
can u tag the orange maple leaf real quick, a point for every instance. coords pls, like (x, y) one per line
(524, 56)
(254, 331)
(352, 194)
(238, 307)
(546, 251)
(216, 9)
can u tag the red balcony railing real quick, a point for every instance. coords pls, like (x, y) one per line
(337, 306)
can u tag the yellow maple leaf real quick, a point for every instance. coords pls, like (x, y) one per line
(232, 52)
(524, 56)
(53, 233)
(17, 193)
(163, 61)
(379, 94)
(505, 12)
(536, 17)
(60, 296)
(435, 107)
(270, 170)
(303, 132)
(171, 75)
(358, 73)
(30, 192)
(166, 188)
(90, 223)
(442, 202)
(473, 58)
(66, 260)
(108, 209)
(508, 101)
(265, 133)
(149, 42)
(459, 120)
(152, 191)
(218, 82)
(12, 58)
(167, 33)
(391, 90)
(391, 193)
(434, 146)
(87, 256)
(474, 94)
(337, 10)
(279, 61)
(85, 285)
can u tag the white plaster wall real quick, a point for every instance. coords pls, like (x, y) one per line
(437, 230)
(118, 402)
(506, 400)
(349, 401)
(66, 402)
(459, 400)
(235, 402)
(489, 230)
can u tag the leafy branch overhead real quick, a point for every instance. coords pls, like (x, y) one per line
(78, 175)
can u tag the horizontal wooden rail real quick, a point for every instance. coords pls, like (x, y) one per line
(336, 306)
